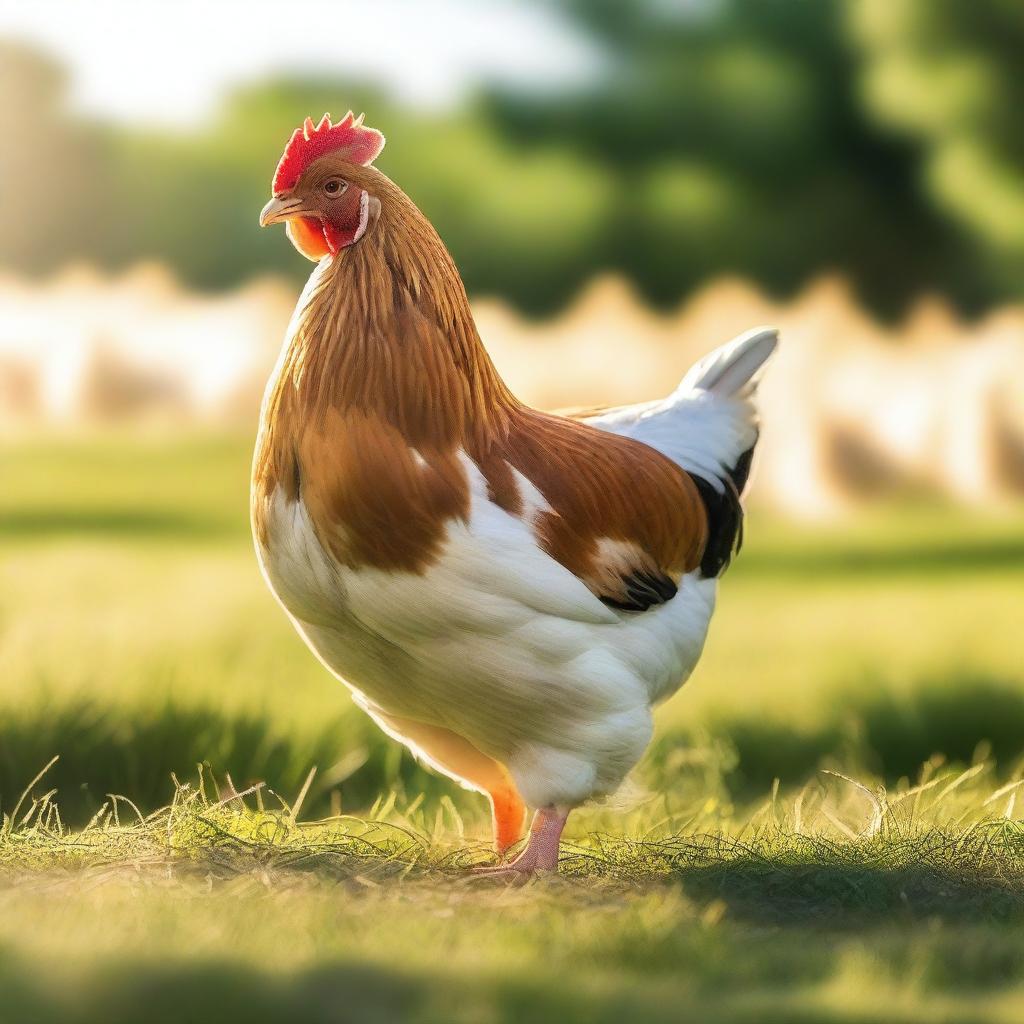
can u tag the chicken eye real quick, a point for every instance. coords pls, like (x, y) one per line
(335, 186)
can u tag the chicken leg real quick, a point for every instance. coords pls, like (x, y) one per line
(541, 852)
(507, 813)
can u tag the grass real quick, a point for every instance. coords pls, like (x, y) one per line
(735, 880)
(842, 904)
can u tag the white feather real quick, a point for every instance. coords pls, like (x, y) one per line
(730, 368)
(710, 420)
(497, 643)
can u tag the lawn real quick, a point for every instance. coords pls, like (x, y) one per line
(826, 827)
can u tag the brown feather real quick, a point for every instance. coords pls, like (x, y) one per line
(384, 381)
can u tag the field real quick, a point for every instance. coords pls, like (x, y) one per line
(825, 829)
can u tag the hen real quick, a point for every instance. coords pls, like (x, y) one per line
(506, 592)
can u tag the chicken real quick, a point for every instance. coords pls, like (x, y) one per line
(507, 592)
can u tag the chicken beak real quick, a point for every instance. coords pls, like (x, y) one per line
(280, 208)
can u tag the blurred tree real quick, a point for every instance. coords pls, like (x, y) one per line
(949, 74)
(740, 142)
(770, 138)
(50, 166)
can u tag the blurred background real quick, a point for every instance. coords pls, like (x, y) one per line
(623, 186)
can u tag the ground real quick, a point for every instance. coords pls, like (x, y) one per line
(825, 829)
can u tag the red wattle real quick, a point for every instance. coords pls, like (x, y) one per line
(339, 238)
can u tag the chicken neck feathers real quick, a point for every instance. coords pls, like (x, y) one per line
(384, 389)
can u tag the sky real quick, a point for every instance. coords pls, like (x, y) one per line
(170, 61)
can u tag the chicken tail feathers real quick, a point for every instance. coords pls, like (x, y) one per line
(731, 373)
(708, 426)
(733, 369)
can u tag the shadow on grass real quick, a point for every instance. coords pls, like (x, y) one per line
(888, 732)
(120, 524)
(352, 993)
(998, 553)
(106, 751)
(853, 896)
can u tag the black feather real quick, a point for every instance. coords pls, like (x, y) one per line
(725, 527)
(725, 516)
(740, 473)
(642, 590)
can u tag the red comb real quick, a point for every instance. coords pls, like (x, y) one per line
(308, 143)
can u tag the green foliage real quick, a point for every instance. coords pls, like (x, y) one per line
(772, 139)
(781, 167)
(948, 74)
